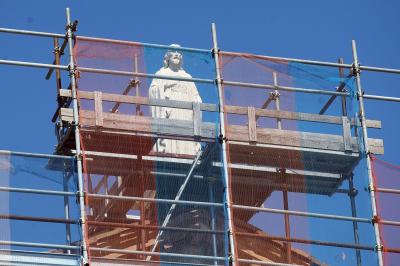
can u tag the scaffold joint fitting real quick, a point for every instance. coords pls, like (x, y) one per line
(72, 70)
(213, 52)
(375, 219)
(219, 81)
(274, 95)
(221, 138)
(79, 156)
(134, 82)
(57, 50)
(352, 192)
(73, 26)
(75, 124)
(355, 69)
(281, 170)
(378, 247)
(371, 188)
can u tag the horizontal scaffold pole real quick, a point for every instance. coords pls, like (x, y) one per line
(283, 88)
(34, 33)
(305, 241)
(37, 219)
(137, 252)
(152, 45)
(381, 98)
(198, 80)
(183, 202)
(31, 64)
(387, 190)
(154, 227)
(35, 155)
(306, 214)
(247, 55)
(37, 245)
(269, 263)
(144, 75)
(37, 191)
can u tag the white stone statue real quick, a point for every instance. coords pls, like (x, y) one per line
(174, 90)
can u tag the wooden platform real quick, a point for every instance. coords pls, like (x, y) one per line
(320, 160)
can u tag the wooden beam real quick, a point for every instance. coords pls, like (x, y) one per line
(300, 139)
(66, 114)
(149, 124)
(346, 134)
(252, 124)
(169, 127)
(196, 120)
(241, 110)
(98, 108)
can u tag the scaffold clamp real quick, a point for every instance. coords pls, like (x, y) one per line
(353, 192)
(375, 219)
(371, 188)
(378, 247)
(274, 95)
(73, 26)
(355, 69)
(213, 52)
(221, 138)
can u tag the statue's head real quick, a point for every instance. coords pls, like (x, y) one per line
(173, 59)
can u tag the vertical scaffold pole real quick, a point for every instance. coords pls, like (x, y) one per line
(72, 74)
(276, 96)
(356, 68)
(223, 143)
(211, 198)
(66, 209)
(352, 196)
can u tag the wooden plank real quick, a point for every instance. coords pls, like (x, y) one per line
(149, 125)
(65, 93)
(290, 157)
(346, 134)
(296, 116)
(98, 108)
(235, 133)
(110, 97)
(66, 114)
(376, 146)
(196, 120)
(300, 139)
(227, 108)
(370, 123)
(252, 126)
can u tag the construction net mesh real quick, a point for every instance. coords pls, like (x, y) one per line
(289, 168)
(387, 190)
(152, 160)
(34, 217)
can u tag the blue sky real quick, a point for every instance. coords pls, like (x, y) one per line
(312, 30)
(318, 30)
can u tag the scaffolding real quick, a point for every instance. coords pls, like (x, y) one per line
(274, 183)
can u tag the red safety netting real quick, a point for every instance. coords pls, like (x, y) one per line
(387, 191)
(128, 178)
(279, 164)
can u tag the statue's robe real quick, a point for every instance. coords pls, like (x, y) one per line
(179, 91)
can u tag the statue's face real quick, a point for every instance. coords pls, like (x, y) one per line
(175, 59)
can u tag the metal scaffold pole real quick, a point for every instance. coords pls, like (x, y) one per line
(223, 143)
(72, 73)
(356, 68)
